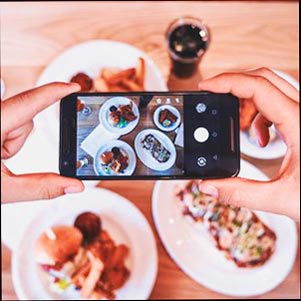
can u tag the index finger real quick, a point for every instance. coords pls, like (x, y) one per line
(22, 108)
(268, 99)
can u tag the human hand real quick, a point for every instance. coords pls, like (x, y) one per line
(17, 115)
(277, 103)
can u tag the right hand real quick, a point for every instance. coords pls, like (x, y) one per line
(277, 103)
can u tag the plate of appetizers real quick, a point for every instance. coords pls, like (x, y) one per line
(167, 118)
(86, 248)
(155, 149)
(119, 115)
(231, 250)
(115, 157)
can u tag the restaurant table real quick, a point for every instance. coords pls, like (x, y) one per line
(243, 35)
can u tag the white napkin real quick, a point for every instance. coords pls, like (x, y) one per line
(92, 143)
(180, 136)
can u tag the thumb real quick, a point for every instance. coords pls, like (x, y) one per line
(240, 192)
(37, 186)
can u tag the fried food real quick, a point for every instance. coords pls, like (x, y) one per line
(113, 79)
(89, 224)
(85, 82)
(83, 258)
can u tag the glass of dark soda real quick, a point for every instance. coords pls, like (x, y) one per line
(187, 40)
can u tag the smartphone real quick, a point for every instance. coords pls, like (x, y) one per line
(149, 135)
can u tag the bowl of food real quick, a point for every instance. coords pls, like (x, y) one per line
(86, 248)
(167, 118)
(115, 157)
(82, 259)
(155, 150)
(119, 115)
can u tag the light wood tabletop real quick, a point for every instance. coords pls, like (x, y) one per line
(243, 35)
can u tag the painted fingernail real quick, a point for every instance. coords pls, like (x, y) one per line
(209, 189)
(73, 189)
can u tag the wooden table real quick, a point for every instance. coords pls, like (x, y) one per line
(243, 35)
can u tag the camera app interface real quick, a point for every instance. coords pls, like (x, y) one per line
(132, 135)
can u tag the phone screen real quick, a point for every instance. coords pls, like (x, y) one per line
(130, 135)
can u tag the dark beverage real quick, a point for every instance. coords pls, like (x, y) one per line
(187, 40)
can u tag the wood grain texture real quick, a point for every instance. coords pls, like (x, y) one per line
(243, 35)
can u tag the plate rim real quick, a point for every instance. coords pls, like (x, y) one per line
(205, 283)
(14, 260)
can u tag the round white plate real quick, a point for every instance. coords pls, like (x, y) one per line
(146, 157)
(120, 217)
(105, 111)
(125, 148)
(196, 255)
(275, 149)
(173, 110)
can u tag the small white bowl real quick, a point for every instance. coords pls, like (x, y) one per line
(173, 110)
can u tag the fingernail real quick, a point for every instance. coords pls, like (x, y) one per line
(73, 189)
(209, 189)
(74, 85)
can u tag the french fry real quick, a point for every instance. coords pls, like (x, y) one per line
(118, 257)
(115, 78)
(131, 85)
(94, 275)
(100, 85)
(140, 71)
(118, 88)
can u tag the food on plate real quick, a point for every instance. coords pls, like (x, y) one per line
(238, 232)
(112, 79)
(115, 160)
(75, 262)
(57, 244)
(247, 112)
(155, 148)
(89, 224)
(122, 115)
(167, 118)
(85, 82)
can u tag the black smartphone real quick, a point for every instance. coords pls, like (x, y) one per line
(149, 135)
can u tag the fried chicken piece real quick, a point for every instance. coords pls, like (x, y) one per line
(85, 82)
(127, 112)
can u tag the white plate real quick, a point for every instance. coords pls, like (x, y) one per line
(126, 148)
(275, 149)
(120, 217)
(105, 111)
(146, 157)
(197, 256)
(173, 110)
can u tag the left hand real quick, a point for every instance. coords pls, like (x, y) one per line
(17, 115)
